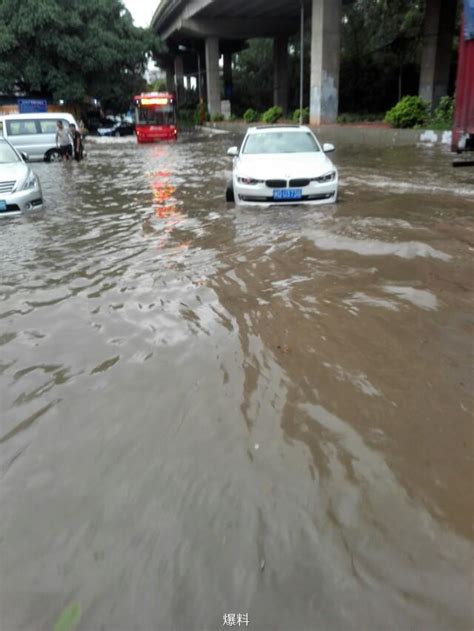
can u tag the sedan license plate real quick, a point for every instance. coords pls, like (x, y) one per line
(287, 193)
(3, 205)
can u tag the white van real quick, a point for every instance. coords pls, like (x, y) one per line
(35, 134)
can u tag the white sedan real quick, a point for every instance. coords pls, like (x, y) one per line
(282, 164)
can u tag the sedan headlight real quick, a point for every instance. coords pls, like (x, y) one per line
(329, 177)
(30, 182)
(248, 180)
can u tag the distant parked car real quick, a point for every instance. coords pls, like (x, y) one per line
(282, 164)
(20, 188)
(35, 134)
(123, 128)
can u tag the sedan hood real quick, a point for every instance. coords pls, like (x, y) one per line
(284, 166)
(13, 171)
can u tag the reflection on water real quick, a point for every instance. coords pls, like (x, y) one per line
(207, 410)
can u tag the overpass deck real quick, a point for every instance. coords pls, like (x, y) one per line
(221, 27)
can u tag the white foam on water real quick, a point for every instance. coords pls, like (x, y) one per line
(404, 187)
(363, 299)
(373, 247)
(418, 297)
(359, 380)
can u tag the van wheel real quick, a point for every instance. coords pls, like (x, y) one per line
(117, 134)
(229, 193)
(53, 156)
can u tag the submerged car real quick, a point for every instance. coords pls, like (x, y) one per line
(20, 188)
(123, 128)
(282, 164)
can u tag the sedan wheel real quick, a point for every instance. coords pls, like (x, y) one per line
(229, 193)
(117, 134)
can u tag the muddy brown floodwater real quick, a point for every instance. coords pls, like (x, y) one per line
(207, 410)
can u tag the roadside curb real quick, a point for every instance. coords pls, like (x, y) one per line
(355, 134)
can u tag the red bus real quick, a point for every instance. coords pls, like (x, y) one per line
(463, 129)
(155, 116)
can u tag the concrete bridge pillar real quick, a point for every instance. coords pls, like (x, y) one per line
(228, 88)
(170, 79)
(438, 33)
(179, 77)
(325, 61)
(280, 72)
(212, 75)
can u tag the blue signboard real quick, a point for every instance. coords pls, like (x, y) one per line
(468, 19)
(32, 106)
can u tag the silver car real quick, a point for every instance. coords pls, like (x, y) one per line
(20, 189)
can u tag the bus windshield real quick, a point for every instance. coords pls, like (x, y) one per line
(156, 116)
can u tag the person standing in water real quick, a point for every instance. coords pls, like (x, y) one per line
(63, 141)
(76, 142)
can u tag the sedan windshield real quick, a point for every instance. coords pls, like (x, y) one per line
(7, 154)
(281, 142)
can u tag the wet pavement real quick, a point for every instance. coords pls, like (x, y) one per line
(209, 410)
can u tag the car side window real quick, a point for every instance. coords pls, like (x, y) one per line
(21, 128)
(48, 126)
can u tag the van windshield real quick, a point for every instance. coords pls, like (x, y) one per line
(7, 154)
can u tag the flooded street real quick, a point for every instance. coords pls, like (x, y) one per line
(207, 410)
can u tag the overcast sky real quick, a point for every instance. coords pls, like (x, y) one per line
(141, 10)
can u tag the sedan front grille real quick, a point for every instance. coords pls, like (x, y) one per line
(299, 183)
(276, 183)
(7, 187)
(270, 200)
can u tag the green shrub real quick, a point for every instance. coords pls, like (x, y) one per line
(217, 117)
(443, 115)
(272, 115)
(411, 111)
(233, 118)
(296, 115)
(251, 116)
(201, 112)
(185, 119)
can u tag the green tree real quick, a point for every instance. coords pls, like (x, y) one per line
(69, 49)
(381, 49)
(253, 76)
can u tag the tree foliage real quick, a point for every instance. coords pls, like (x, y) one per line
(381, 50)
(70, 49)
(253, 76)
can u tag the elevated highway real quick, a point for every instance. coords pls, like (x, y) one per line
(198, 32)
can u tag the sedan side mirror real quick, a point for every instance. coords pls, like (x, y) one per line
(328, 147)
(233, 151)
(25, 156)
